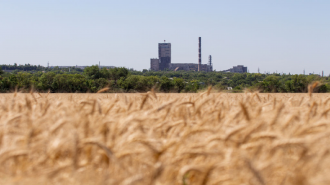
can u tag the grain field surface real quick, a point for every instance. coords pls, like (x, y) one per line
(125, 139)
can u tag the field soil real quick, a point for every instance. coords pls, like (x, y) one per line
(149, 138)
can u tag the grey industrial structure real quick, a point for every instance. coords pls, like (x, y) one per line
(81, 67)
(237, 69)
(154, 64)
(164, 55)
(164, 60)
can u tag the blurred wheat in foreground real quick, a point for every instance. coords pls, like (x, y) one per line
(206, 138)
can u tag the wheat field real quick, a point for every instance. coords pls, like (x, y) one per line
(151, 138)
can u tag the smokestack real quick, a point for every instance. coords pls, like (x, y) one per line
(199, 53)
(210, 67)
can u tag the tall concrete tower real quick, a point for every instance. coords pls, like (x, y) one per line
(164, 55)
(199, 53)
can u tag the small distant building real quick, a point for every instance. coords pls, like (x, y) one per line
(154, 64)
(81, 67)
(188, 67)
(237, 69)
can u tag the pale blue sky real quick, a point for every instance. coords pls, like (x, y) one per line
(283, 35)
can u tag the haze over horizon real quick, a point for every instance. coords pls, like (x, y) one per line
(283, 36)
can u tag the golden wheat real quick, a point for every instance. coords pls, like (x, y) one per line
(206, 138)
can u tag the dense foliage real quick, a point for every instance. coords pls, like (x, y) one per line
(35, 68)
(92, 79)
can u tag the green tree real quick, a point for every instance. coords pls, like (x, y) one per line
(1, 71)
(324, 88)
(270, 84)
(166, 84)
(195, 85)
(152, 81)
(92, 72)
(70, 83)
(97, 84)
(298, 83)
(128, 83)
(104, 73)
(24, 80)
(117, 73)
(5, 84)
(60, 83)
(45, 81)
(13, 81)
(178, 84)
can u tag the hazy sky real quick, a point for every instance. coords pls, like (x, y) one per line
(283, 35)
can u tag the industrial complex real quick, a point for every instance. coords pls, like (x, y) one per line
(163, 62)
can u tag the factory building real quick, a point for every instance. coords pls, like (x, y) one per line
(189, 67)
(154, 64)
(164, 55)
(164, 60)
(237, 69)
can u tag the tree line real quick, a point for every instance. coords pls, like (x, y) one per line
(92, 79)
